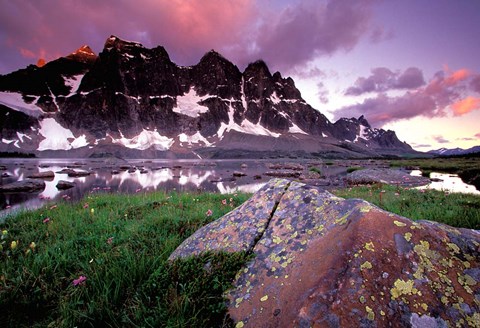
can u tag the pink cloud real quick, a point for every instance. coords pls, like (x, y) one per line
(312, 28)
(383, 79)
(289, 35)
(465, 106)
(444, 92)
(440, 139)
(477, 135)
(187, 29)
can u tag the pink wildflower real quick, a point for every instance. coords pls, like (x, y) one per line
(79, 281)
(138, 190)
(53, 207)
(7, 207)
(397, 194)
(209, 213)
(110, 240)
(46, 220)
(224, 202)
(85, 205)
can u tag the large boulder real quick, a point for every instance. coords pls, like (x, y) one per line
(324, 261)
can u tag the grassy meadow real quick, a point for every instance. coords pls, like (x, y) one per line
(454, 209)
(102, 262)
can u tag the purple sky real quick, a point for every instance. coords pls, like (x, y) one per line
(404, 64)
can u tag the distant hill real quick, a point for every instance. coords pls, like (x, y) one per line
(455, 151)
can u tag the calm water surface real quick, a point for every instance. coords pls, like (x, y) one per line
(447, 182)
(144, 176)
(165, 175)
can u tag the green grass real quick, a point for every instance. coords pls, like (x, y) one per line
(121, 244)
(455, 209)
(354, 168)
(314, 169)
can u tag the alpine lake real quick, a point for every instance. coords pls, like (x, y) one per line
(217, 176)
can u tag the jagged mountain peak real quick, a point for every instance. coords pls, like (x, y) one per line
(363, 121)
(114, 42)
(83, 54)
(258, 67)
(132, 97)
(84, 50)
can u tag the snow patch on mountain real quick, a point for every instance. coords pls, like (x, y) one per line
(296, 129)
(15, 101)
(362, 133)
(193, 139)
(188, 104)
(56, 136)
(145, 140)
(274, 98)
(246, 127)
(73, 82)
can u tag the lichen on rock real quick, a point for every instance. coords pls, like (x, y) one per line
(321, 261)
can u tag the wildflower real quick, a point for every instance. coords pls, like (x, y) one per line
(138, 190)
(397, 194)
(53, 207)
(79, 281)
(92, 211)
(7, 207)
(13, 245)
(46, 220)
(224, 202)
(32, 245)
(85, 205)
(209, 213)
(110, 240)
(231, 200)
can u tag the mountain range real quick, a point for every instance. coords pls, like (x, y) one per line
(132, 101)
(455, 151)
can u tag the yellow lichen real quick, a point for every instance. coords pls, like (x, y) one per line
(276, 240)
(453, 248)
(369, 246)
(240, 324)
(408, 236)
(370, 313)
(342, 220)
(366, 265)
(264, 298)
(399, 224)
(402, 287)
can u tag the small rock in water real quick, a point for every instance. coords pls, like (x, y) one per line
(42, 175)
(63, 185)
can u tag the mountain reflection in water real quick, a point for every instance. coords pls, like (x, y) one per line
(142, 177)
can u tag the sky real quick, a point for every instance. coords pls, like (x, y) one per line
(412, 66)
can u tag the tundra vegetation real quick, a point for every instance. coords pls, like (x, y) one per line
(103, 261)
